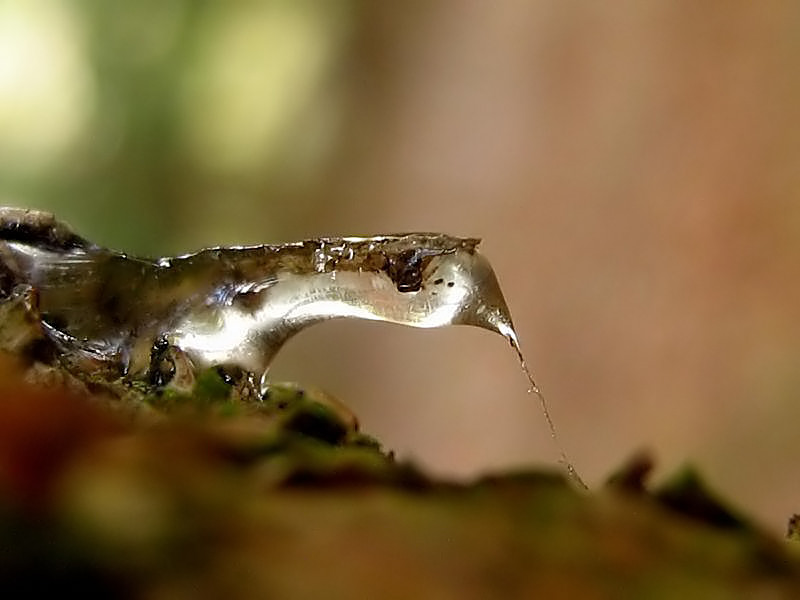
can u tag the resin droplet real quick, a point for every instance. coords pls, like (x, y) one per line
(105, 311)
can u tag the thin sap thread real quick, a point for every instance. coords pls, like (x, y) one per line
(534, 389)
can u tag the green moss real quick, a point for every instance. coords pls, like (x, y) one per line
(284, 397)
(793, 528)
(687, 493)
(167, 399)
(363, 440)
(211, 387)
(316, 420)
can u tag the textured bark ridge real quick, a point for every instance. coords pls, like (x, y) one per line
(203, 496)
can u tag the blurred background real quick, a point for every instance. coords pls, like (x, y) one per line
(632, 167)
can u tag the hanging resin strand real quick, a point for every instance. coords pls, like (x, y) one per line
(534, 389)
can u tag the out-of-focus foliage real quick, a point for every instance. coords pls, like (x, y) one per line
(143, 117)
